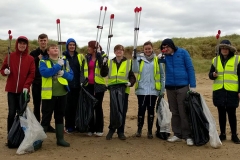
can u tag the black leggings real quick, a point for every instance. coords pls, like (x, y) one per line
(222, 117)
(146, 102)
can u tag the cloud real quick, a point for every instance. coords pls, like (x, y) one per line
(159, 19)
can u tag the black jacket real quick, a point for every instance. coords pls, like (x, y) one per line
(222, 97)
(35, 53)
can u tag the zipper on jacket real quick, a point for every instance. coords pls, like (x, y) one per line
(19, 71)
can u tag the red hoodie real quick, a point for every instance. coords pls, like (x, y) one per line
(22, 69)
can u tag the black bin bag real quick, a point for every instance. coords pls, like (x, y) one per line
(16, 133)
(84, 111)
(198, 122)
(117, 96)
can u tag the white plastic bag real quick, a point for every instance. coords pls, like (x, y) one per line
(214, 140)
(34, 134)
(164, 116)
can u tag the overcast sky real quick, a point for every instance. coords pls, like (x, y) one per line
(159, 19)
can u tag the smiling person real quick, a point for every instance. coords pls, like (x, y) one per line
(180, 78)
(150, 84)
(120, 79)
(20, 72)
(55, 77)
(226, 90)
(96, 86)
(38, 54)
(78, 64)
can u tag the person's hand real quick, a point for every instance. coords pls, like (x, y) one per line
(25, 90)
(40, 56)
(105, 59)
(128, 84)
(6, 71)
(60, 73)
(161, 56)
(215, 74)
(60, 61)
(193, 89)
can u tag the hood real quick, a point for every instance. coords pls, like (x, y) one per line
(227, 44)
(21, 38)
(168, 42)
(71, 40)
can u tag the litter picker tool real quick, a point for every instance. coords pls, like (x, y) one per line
(217, 48)
(60, 43)
(9, 48)
(136, 29)
(100, 27)
(110, 35)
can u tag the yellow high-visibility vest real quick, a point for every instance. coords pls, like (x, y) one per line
(81, 58)
(97, 76)
(227, 77)
(119, 76)
(47, 83)
(156, 74)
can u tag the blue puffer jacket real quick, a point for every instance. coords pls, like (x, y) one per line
(179, 69)
(146, 85)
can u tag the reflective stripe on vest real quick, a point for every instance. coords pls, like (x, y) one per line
(157, 77)
(227, 77)
(97, 76)
(47, 83)
(119, 76)
(81, 58)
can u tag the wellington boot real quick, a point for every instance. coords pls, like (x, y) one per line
(59, 136)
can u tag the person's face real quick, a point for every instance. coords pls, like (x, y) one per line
(90, 50)
(42, 43)
(22, 46)
(224, 51)
(148, 50)
(71, 46)
(53, 51)
(167, 49)
(119, 52)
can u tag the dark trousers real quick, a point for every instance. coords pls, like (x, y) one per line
(125, 108)
(97, 122)
(13, 106)
(179, 121)
(222, 117)
(71, 107)
(146, 102)
(57, 105)
(36, 95)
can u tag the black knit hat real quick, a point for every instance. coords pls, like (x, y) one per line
(227, 44)
(168, 42)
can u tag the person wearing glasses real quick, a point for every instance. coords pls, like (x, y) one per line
(180, 78)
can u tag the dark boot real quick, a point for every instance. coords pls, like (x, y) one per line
(59, 136)
(122, 136)
(222, 136)
(51, 129)
(150, 125)
(235, 139)
(109, 135)
(140, 125)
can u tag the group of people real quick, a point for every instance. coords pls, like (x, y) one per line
(56, 79)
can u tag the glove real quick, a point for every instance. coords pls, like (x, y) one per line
(25, 90)
(193, 89)
(128, 84)
(105, 59)
(6, 71)
(60, 73)
(60, 62)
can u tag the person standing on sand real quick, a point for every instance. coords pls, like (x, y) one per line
(39, 54)
(226, 90)
(20, 72)
(180, 78)
(150, 84)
